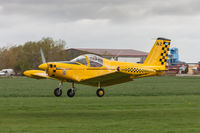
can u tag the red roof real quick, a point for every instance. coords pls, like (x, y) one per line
(113, 52)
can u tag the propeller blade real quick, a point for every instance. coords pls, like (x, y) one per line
(42, 55)
(44, 66)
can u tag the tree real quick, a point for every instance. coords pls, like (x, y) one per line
(27, 56)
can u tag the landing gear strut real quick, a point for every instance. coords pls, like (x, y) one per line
(100, 91)
(58, 91)
(71, 92)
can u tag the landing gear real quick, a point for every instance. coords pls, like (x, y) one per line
(100, 92)
(58, 91)
(71, 92)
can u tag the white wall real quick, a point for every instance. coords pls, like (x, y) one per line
(129, 59)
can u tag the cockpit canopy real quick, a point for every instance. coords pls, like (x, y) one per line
(89, 60)
(80, 59)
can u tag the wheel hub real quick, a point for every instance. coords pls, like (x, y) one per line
(101, 92)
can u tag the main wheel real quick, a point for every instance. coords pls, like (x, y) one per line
(57, 92)
(100, 92)
(70, 93)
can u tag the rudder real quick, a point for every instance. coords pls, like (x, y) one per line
(159, 53)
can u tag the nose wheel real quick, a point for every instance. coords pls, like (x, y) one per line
(58, 91)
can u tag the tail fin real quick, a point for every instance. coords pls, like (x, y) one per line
(159, 53)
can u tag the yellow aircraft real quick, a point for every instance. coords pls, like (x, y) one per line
(93, 70)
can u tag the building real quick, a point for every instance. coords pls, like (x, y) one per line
(126, 55)
(173, 58)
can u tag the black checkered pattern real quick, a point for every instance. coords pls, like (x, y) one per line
(52, 70)
(164, 53)
(136, 70)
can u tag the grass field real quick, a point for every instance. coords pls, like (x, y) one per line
(147, 105)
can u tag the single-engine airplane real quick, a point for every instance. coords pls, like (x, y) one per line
(94, 70)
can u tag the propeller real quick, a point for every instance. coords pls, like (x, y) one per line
(42, 55)
(44, 65)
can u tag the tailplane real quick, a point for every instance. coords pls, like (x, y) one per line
(159, 53)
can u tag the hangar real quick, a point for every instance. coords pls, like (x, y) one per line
(125, 55)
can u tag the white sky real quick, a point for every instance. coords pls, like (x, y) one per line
(133, 24)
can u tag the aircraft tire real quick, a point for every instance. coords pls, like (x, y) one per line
(100, 92)
(70, 93)
(57, 92)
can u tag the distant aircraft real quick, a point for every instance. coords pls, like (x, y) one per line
(93, 70)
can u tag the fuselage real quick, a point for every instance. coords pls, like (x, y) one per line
(86, 67)
(93, 70)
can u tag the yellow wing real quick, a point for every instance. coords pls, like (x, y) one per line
(120, 75)
(37, 74)
(108, 79)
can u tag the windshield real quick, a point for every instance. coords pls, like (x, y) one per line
(95, 61)
(80, 59)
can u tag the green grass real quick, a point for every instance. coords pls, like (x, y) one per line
(147, 105)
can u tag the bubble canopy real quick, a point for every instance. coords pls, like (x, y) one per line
(89, 60)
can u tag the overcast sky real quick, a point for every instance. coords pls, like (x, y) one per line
(133, 24)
